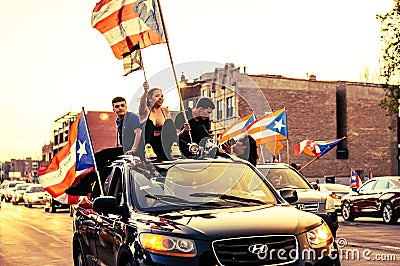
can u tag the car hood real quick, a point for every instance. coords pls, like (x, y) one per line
(310, 195)
(223, 223)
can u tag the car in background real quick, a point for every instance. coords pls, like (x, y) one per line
(9, 188)
(336, 192)
(17, 195)
(283, 177)
(34, 195)
(378, 197)
(52, 205)
(205, 212)
(3, 189)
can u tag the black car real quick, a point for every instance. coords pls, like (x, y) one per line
(196, 212)
(283, 176)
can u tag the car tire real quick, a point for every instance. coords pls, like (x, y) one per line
(46, 209)
(346, 212)
(388, 214)
(29, 205)
(79, 257)
(52, 208)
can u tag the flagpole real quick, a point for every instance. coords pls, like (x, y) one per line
(287, 150)
(307, 164)
(91, 149)
(173, 69)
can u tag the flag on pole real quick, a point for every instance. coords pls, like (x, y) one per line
(132, 62)
(128, 26)
(237, 130)
(355, 180)
(274, 147)
(72, 162)
(269, 128)
(315, 148)
(370, 176)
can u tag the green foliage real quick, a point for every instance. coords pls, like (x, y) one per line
(390, 71)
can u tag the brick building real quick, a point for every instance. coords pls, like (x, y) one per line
(102, 129)
(318, 110)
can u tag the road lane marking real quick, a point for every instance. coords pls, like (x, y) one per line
(391, 247)
(38, 230)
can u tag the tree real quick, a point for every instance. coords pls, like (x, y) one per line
(390, 71)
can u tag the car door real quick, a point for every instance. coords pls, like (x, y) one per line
(107, 241)
(361, 201)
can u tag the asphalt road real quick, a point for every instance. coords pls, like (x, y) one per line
(30, 236)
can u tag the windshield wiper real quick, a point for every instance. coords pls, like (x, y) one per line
(168, 198)
(228, 197)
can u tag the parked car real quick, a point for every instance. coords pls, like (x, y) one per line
(283, 176)
(196, 212)
(52, 205)
(9, 188)
(34, 195)
(3, 190)
(336, 192)
(378, 197)
(18, 194)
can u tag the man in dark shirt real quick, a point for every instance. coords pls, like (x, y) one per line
(198, 124)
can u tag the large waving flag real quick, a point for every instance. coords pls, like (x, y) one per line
(269, 128)
(315, 148)
(355, 180)
(129, 25)
(237, 130)
(71, 163)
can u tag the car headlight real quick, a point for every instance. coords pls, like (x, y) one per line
(320, 236)
(168, 245)
(330, 204)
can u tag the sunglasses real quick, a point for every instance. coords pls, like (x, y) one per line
(119, 105)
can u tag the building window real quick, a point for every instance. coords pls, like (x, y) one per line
(229, 107)
(205, 93)
(219, 109)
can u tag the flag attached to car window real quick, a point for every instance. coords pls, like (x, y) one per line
(72, 162)
(355, 180)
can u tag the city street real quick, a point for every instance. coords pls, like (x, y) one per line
(34, 237)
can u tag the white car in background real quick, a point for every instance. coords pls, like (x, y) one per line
(34, 195)
(335, 191)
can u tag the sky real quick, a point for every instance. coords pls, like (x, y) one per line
(52, 61)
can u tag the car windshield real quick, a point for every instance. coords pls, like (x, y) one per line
(198, 185)
(284, 178)
(21, 187)
(37, 189)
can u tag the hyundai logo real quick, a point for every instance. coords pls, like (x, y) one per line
(258, 248)
(300, 206)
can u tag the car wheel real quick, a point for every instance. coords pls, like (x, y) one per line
(29, 205)
(388, 215)
(346, 212)
(46, 209)
(79, 257)
(52, 208)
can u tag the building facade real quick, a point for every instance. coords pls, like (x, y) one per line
(316, 110)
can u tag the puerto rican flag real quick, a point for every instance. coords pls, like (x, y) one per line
(269, 128)
(355, 180)
(71, 163)
(315, 148)
(129, 24)
(237, 130)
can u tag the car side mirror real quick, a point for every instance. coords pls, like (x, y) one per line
(290, 195)
(105, 205)
(314, 185)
